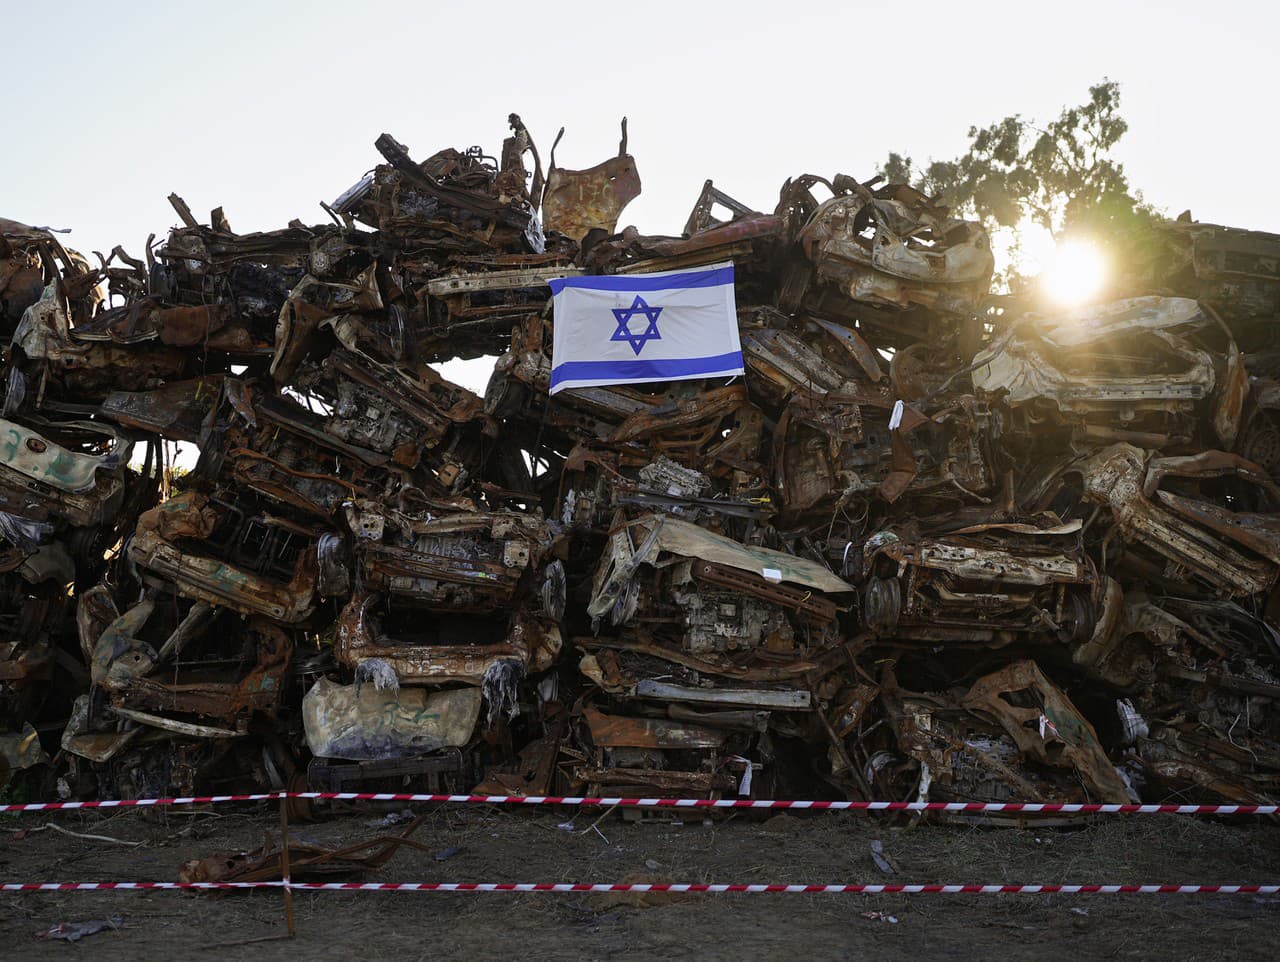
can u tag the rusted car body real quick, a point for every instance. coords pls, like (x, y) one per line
(1129, 370)
(991, 583)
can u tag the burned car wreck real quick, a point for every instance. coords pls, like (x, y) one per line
(919, 549)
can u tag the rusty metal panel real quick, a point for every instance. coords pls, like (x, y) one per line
(579, 201)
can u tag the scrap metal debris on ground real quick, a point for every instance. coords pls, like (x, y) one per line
(934, 545)
(306, 861)
(75, 931)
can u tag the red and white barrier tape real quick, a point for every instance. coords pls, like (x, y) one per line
(1031, 808)
(747, 803)
(896, 888)
(142, 802)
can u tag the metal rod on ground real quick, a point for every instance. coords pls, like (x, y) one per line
(284, 865)
(598, 821)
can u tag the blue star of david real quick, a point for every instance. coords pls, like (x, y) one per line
(624, 316)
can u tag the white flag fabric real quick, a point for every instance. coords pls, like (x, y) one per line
(630, 328)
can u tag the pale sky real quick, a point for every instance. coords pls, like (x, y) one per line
(267, 108)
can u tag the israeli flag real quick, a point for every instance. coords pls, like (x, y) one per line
(624, 329)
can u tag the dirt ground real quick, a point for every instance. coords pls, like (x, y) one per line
(538, 846)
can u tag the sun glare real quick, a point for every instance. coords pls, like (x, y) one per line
(1075, 274)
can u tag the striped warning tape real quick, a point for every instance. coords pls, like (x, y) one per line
(1054, 808)
(740, 803)
(142, 802)
(897, 888)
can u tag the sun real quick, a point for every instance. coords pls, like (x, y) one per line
(1075, 274)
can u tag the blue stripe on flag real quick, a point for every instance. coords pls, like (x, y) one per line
(645, 370)
(641, 282)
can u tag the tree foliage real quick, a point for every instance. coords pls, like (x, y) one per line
(1061, 176)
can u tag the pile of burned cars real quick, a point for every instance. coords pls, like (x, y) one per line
(922, 550)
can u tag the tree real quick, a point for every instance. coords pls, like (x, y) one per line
(1061, 176)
